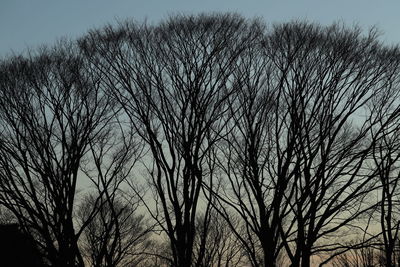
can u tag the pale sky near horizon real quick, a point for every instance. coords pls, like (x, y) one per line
(30, 23)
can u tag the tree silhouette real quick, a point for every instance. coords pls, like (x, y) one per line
(52, 117)
(206, 140)
(116, 236)
(174, 82)
(298, 154)
(328, 78)
(386, 158)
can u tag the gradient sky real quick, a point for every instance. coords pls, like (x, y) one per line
(30, 23)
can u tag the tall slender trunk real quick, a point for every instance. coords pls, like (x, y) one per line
(69, 256)
(305, 258)
(183, 251)
(269, 247)
(183, 257)
(389, 256)
(269, 257)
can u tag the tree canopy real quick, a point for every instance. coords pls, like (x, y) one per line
(205, 140)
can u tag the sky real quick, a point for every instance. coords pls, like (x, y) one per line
(31, 23)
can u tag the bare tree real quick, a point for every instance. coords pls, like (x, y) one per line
(327, 79)
(52, 114)
(117, 233)
(386, 162)
(173, 81)
(116, 236)
(365, 257)
(218, 243)
(255, 145)
(297, 155)
(254, 189)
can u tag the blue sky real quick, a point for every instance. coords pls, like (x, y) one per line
(30, 23)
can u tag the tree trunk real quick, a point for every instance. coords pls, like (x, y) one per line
(305, 258)
(183, 257)
(389, 256)
(268, 250)
(269, 257)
